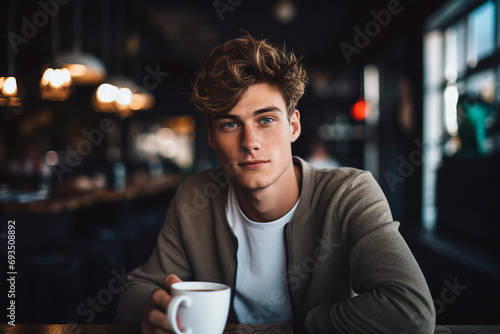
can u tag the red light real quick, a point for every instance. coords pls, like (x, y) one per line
(360, 110)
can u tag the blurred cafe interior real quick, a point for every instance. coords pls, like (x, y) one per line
(97, 131)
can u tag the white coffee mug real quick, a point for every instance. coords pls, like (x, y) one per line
(201, 307)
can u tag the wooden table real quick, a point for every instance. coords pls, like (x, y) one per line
(467, 329)
(117, 329)
(230, 329)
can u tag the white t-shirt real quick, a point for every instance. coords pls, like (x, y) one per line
(261, 294)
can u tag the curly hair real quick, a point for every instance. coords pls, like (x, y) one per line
(239, 63)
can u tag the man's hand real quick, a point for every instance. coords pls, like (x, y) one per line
(155, 319)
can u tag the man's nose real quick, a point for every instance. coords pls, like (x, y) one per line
(250, 140)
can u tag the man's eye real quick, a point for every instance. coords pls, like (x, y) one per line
(229, 125)
(266, 120)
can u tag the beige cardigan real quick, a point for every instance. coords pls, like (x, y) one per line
(349, 269)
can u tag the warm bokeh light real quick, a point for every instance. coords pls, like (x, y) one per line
(107, 93)
(9, 92)
(174, 141)
(56, 78)
(76, 70)
(51, 158)
(124, 96)
(167, 143)
(183, 124)
(60, 78)
(141, 99)
(285, 11)
(55, 84)
(46, 76)
(9, 87)
(360, 110)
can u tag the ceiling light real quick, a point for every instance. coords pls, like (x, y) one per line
(85, 69)
(9, 92)
(55, 84)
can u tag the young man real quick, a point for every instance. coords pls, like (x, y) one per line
(312, 247)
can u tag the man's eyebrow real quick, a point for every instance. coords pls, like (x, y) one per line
(267, 109)
(255, 113)
(225, 116)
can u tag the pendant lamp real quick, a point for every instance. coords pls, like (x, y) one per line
(10, 91)
(118, 94)
(84, 68)
(56, 83)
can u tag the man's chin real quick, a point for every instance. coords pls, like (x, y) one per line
(251, 186)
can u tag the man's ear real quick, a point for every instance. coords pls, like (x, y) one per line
(210, 129)
(295, 126)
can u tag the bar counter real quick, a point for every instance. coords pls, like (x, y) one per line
(70, 196)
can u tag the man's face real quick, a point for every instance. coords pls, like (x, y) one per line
(254, 139)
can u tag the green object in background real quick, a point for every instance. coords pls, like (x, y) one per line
(472, 127)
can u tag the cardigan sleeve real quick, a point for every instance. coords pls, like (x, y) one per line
(392, 294)
(167, 258)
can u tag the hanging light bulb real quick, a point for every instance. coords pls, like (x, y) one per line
(115, 96)
(56, 84)
(107, 93)
(120, 94)
(9, 87)
(9, 92)
(124, 96)
(104, 98)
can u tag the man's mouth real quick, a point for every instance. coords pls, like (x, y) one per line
(253, 164)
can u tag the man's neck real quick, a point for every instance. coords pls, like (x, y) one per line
(273, 202)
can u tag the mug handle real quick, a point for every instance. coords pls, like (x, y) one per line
(173, 307)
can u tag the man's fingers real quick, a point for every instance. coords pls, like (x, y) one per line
(169, 280)
(157, 318)
(160, 298)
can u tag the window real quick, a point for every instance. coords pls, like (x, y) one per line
(461, 75)
(481, 32)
